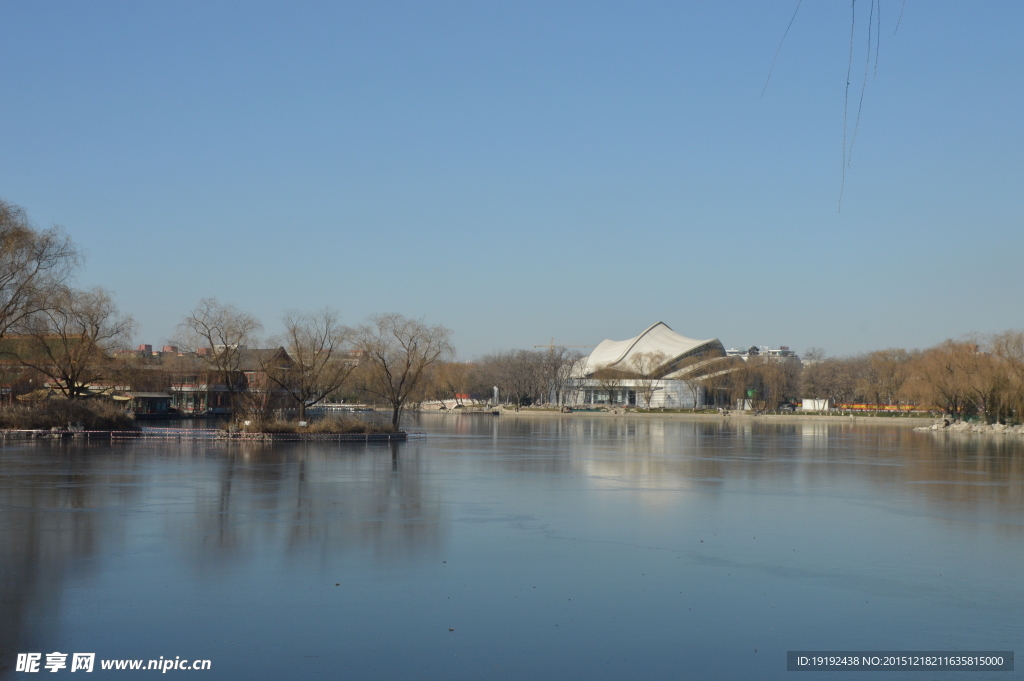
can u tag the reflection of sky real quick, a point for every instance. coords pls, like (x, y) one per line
(560, 547)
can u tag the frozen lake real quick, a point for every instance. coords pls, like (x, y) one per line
(516, 547)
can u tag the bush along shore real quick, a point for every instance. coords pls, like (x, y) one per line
(327, 429)
(67, 416)
(947, 426)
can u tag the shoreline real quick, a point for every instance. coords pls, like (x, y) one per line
(733, 417)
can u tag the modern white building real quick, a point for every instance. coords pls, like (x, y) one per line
(658, 368)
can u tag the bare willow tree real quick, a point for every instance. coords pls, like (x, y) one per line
(943, 376)
(777, 378)
(218, 335)
(521, 375)
(889, 370)
(316, 343)
(609, 380)
(1008, 348)
(395, 353)
(646, 365)
(832, 379)
(563, 368)
(450, 380)
(71, 342)
(34, 265)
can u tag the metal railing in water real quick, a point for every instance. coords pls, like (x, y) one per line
(212, 434)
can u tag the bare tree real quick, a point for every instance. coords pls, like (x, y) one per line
(396, 352)
(646, 365)
(555, 372)
(33, 266)
(890, 369)
(564, 368)
(319, 364)
(1008, 348)
(833, 379)
(778, 379)
(813, 354)
(71, 341)
(450, 380)
(608, 380)
(942, 374)
(218, 334)
(522, 377)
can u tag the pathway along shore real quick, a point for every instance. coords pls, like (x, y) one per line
(733, 416)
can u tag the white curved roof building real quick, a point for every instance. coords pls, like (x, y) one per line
(676, 355)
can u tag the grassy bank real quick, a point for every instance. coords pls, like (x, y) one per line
(65, 414)
(331, 425)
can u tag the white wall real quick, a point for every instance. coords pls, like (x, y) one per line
(668, 394)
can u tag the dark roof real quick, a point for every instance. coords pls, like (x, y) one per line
(255, 359)
(249, 359)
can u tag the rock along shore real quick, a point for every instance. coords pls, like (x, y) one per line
(944, 425)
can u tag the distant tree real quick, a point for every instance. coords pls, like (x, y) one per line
(942, 374)
(72, 340)
(450, 380)
(567, 377)
(987, 379)
(781, 377)
(34, 265)
(521, 375)
(813, 354)
(885, 373)
(559, 370)
(1008, 348)
(645, 366)
(609, 381)
(396, 353)
(217, 335)
(319, 366)
(142, 372)
(832, 378)
(715, 385)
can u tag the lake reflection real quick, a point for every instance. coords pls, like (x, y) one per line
(555, 547)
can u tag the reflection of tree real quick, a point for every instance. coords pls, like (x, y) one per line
(290, 502)
(59, 507)
(312, 497)
(52, 518)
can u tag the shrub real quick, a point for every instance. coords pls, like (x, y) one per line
(93, 414)
(329, 425)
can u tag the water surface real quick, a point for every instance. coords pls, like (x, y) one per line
(515, 547)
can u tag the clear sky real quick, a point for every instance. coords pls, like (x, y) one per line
(520, 171)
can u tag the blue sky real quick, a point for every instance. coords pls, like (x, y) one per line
(522, 171)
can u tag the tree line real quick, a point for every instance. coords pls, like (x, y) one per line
(70, 339)
(979, 376)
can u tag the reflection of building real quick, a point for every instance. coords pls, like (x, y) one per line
(658, 368)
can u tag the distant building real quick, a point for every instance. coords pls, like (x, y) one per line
(147, 404)
(196, 388)
(658, 368)
(762, 351)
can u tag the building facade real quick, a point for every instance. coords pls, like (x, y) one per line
(658, 368)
